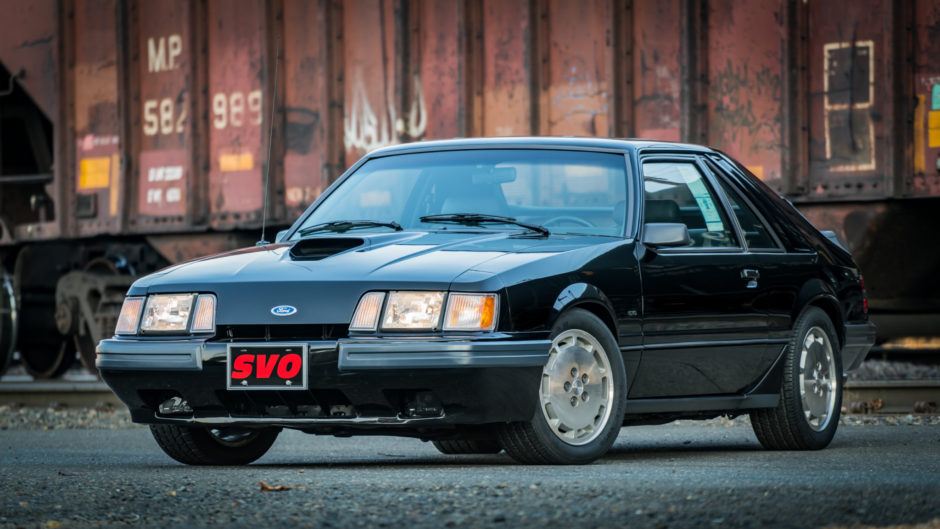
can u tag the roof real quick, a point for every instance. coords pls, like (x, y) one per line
(537, 141)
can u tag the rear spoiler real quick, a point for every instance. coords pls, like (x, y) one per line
(835, 239)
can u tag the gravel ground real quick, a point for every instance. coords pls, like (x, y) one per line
(659, 477)
(63, 467)
(61, 417)
(873, 369)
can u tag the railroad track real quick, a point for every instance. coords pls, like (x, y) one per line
(892, 396)
(74, 394)
(869, 396)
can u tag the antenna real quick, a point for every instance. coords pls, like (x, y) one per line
(267, 166)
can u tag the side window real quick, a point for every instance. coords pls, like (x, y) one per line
(755, 233)
(678, 192)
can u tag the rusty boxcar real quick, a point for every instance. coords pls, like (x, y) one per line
(134, 133)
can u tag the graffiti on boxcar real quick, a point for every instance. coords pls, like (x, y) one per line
(734, 115)
(849, 86)
(581, 95)
(657, 98)
(365, 130)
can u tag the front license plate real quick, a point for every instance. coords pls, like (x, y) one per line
(261, 366)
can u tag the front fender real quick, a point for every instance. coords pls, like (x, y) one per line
(592, 298)
(579, 293)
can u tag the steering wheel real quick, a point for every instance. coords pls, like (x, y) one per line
(568, 218)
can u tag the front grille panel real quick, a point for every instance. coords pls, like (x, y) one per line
(268, 333)
(317, 403)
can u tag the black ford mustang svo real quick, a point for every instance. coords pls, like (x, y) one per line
(530, 295)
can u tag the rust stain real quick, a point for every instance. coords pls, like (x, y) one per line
(236, 108)
(28, 42)
(744, 90)
(304, 102)
(360, 75)
(578, 84)
(164, 123)
(507, 69)
(656, 70)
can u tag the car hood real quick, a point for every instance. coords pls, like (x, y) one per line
(326, 288)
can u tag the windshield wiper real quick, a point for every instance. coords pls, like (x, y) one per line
(473, 219)
(342, 226)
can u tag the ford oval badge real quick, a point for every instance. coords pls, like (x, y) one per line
(283, 310)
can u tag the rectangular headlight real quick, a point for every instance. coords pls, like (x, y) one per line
(130, 315)
(367, 313)
(413, 310)
(167, 313)
(470, 312)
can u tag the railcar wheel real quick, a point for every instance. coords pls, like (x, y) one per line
(8, 321)
(87, 354)
(213, 446)
(85, 343)
(43, 351)
(468, 446)
(48, 358)
(581, 397)
(811, 392)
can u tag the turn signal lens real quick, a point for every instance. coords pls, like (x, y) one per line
(130, 315)
(470, 312)
(366, 317)
(413, 310)
(204, 320)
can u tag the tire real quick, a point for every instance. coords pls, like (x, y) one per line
(8, 320)
(570, 378)
(810, 398)
(206, 446)
(468, 446)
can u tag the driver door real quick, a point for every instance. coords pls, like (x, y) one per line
(703, 333)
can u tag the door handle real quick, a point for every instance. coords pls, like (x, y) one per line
(750, 273)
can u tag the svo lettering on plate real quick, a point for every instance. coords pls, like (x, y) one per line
(267, 367)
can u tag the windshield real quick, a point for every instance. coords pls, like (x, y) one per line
(563, 191)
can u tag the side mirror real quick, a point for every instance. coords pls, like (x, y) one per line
(666, 234)
(280, 236)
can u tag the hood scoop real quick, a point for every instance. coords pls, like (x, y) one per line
(318, 248)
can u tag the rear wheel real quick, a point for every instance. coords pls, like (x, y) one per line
(468, 446)
(213, 446)
(811, 393)
(581, 397)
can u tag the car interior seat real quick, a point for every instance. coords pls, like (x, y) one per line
(476, 199)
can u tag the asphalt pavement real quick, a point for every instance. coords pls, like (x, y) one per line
(682, 475)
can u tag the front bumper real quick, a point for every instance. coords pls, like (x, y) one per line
(859, 339)
(353, 385)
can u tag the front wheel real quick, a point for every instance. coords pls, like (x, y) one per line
(213, 446)
(811, 393)
(581, 397)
